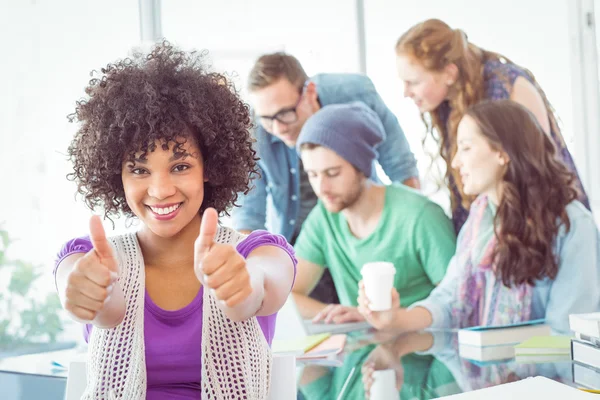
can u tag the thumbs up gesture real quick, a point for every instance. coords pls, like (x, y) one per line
(90, 283)
(219, 266)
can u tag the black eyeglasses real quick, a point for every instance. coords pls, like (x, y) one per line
(285, 116)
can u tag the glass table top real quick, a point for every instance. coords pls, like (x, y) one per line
(422, 365)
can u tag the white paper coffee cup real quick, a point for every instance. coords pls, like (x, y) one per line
(384, 385)
(378, 278)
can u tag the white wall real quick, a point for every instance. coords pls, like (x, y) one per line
(586, 95)
(49, 48)
(320, 33)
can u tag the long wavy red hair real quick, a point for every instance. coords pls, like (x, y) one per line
(535, 190)
(434, 44)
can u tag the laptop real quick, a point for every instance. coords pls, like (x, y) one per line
(290, 324)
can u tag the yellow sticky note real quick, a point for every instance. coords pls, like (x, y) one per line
(299, 345)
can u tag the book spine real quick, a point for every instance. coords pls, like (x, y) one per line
(585, 354)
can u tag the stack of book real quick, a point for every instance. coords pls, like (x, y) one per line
(494, 343)
(585, 349)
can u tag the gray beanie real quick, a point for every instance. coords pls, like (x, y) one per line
(351, 130)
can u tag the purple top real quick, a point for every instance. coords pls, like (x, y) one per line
(173, 338)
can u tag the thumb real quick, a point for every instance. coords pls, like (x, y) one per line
(208, 230)
(101, 245)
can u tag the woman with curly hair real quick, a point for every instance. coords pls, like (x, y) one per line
(445, 74)
(529, 248)
(183, 308)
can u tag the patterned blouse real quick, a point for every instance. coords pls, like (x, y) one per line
(499, 78)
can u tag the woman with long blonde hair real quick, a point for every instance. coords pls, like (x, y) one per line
(445, 74)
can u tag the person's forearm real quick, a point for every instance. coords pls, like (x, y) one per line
(401, 319)
(110, 315)
(412, 320)
(413, 182)
(307, 307)
(271, 271)
(278, 268)
(413, 342)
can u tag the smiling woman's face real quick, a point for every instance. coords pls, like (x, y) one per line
(165, 189)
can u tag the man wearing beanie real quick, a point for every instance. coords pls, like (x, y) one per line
(357, 221)
(283, 96)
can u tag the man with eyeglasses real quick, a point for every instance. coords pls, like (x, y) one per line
(283, 97)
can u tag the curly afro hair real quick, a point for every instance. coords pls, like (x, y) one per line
(160, 96)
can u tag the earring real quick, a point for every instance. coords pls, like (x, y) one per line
(131, 221)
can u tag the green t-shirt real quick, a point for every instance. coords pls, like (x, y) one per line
(413, 233)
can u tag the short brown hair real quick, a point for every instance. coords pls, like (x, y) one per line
(272, 67)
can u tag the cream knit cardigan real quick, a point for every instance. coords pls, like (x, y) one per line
(236, 358)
